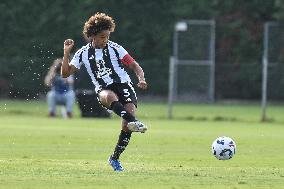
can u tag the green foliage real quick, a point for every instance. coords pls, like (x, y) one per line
(35, 31)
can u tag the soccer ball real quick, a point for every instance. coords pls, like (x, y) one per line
(224, 148)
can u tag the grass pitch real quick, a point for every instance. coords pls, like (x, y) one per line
(38, 152)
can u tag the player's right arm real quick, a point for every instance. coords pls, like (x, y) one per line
(66, 69)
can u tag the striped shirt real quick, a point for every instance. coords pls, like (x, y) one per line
(105, 66)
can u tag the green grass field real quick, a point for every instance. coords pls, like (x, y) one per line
(38, 152)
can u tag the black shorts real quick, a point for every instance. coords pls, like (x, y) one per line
(124, 91)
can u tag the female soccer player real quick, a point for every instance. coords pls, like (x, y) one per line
(105, 61)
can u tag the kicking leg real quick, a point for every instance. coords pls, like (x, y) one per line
(109, 99)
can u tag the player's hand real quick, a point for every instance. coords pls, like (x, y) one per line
(68, 45)
(142, 84)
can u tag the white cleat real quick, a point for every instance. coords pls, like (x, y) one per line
(137, 126)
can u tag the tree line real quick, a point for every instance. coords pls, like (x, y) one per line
(32, 35)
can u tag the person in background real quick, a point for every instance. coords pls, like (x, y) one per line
(61, 92)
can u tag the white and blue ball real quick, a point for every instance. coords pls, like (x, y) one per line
(224, 148)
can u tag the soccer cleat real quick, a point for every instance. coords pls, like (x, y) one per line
(115, 164)
(137, 126)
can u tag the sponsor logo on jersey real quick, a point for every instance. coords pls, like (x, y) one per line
(102, 69)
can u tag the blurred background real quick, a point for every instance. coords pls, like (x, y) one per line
(213, 66)
(32, 35)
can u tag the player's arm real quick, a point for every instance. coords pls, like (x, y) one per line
(66, 69)
(128, 61)
(139, 73)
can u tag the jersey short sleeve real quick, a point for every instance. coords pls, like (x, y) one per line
(77, 59)
(125, 58)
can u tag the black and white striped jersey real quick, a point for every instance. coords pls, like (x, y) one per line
(105, 66)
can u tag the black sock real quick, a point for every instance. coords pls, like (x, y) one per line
(118, 108)
(123, 141)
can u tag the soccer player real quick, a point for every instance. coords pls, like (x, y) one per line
(105, 61)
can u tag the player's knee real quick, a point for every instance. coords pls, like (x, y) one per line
(107, 97)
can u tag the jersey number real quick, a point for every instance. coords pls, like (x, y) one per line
(126, 93)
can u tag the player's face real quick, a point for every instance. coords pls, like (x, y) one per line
(100, 40)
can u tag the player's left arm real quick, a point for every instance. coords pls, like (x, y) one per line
(128, 61)
(139, 73)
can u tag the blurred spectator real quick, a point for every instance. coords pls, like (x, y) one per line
(61, 92)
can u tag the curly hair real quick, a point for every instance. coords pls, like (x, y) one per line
(98, 23)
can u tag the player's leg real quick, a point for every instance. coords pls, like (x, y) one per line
(123, 140)
(125, 134)
(51, 101)
(110, 100)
